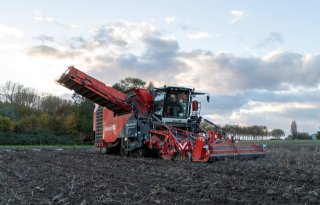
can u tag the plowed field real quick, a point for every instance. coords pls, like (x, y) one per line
(288, 175)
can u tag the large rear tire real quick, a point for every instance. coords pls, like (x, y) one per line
(104, 150)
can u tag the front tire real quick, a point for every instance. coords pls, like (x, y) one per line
(123, 150)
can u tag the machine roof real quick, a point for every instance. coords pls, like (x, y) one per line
(171, 88)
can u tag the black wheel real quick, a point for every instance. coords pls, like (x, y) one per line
(189, 155)
(139, 152)
(123, 150)
(104, 150)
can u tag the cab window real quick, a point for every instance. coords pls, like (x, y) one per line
(176, 105)
(158, 103)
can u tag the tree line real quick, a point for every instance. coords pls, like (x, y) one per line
(254, 132)
(23, 110)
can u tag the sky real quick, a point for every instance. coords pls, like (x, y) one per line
(258, 60)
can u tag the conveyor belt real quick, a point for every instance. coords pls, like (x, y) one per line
(95, 91)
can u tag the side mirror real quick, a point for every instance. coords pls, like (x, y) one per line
(195, 105)
(208, 98)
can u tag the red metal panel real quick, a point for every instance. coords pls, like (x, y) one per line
(199, 153)
(112, 125)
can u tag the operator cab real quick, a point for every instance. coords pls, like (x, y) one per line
(173, 105)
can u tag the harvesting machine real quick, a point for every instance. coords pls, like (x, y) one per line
(165, 121)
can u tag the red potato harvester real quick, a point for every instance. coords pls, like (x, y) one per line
(165, 121)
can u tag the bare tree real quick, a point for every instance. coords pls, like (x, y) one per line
(8, 90)
(294, 129)
(18, 94)
(26, 97)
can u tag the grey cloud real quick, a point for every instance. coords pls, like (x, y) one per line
(219, 72)
(187, 27)
(277, 71)
(49, 51)
(104, 36)
(159, 49)
(229, 103)
(161, 58)
(44, 38)
(302, 113)
(222, 72)
(78, 43)
(158, 57)
(107, 74)
(184, 26)
(43, 50)
(158, 54)
(291, 68)
(128, 60)
(273, 38)
(223, 104)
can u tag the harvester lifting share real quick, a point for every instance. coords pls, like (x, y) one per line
(163, 120)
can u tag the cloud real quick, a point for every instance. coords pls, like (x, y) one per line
(123, 47)
(10, 31)
(44, 38)
(159, 48)
(237, 16)
(224, 72)
(158, 57)
(38, 16)
(187, 26)
(48, 51)
(273, 38)
(78, 42)
(199, 35)
(264, 90)
(264, 99)
(141, 48)
(121, 34)
(115, 35)
(169, 19)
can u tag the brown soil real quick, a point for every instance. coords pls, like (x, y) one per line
(288, 175)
